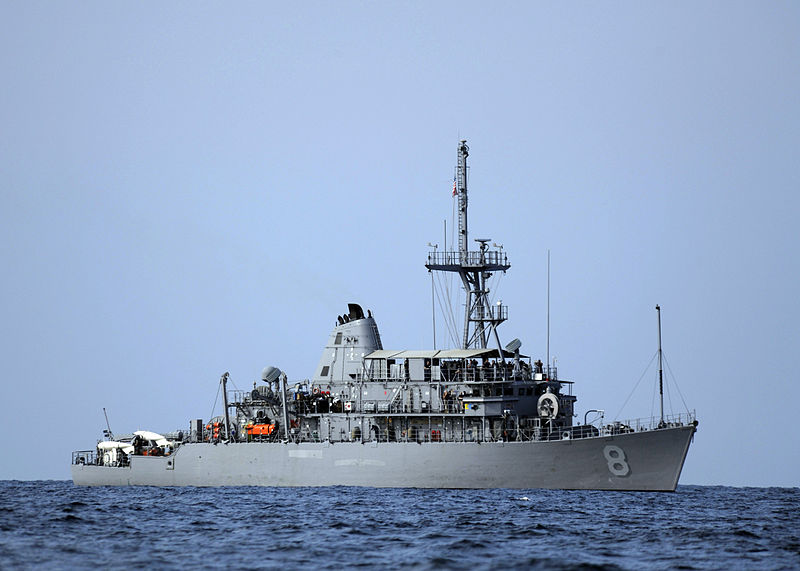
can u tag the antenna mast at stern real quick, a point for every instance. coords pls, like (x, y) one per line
(475, 268)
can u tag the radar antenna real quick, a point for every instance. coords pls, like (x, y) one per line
(475, 268)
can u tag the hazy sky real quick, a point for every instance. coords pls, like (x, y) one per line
(194, 188)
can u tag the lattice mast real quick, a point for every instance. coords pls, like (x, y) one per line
(475, 268)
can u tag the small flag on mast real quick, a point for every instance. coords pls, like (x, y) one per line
(454, 185)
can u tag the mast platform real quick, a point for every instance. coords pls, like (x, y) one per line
(488, 261)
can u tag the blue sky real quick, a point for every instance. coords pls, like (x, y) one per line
(195, 188)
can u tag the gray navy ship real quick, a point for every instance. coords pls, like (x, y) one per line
(479, 416)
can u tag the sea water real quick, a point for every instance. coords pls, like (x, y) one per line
(56, 525)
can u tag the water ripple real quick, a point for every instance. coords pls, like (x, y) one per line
(55, 525)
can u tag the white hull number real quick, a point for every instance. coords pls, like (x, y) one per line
(617, 463)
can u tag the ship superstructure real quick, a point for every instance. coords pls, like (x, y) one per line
(475, 416)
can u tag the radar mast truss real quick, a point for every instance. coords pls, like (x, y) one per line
(475, 267)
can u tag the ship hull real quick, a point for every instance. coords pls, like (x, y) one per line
(646, 461)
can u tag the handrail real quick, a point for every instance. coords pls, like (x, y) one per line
(461, 374)
(440, 433)
(469, 259)
(646, 423)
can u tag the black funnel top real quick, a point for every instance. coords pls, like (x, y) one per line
(355, 311)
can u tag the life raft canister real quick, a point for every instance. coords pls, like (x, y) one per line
(260, 429)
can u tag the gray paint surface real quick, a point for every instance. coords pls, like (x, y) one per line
(653, 459)
(372, 417)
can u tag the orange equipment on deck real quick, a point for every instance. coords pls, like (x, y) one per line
(260, 429)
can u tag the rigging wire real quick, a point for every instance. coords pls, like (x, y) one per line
(446, 309)
(616, 417)
(450, 277)
(447, 316)
(669, 396)
(442, 306)
(653, 398)
(450, 315)
(443, 284)
(444, 289)
(675, 381)
(495, 281)
(216, 398)
(456, 327)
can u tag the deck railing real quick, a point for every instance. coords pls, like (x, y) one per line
(469, 259)
(651, 423)
(598, 429)
(470, 431)
(461, 374)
